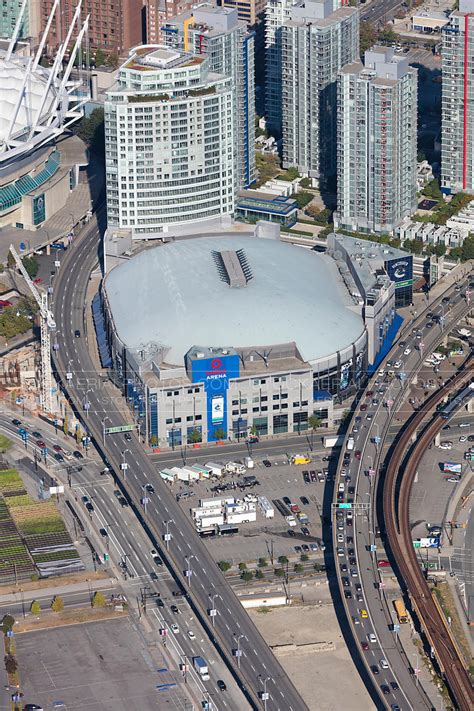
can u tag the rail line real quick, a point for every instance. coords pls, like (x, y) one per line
(396, 498)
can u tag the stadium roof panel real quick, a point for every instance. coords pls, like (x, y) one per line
(173, 296)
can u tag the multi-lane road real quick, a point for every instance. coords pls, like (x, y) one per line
(356, 545)
(257, 670)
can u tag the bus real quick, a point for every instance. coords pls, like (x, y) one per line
(401, 612)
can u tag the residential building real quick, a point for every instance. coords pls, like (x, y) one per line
(250, 11)
(277, 12)
(31, 25)
(457, 113)
(376, 142)
(159, 11)
(316, 42)
(217, 33)
(114, 27)
(169, 143)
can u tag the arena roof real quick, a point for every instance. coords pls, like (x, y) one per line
(178, 295)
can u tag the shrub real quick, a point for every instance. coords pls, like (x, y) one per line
(279, 572)
(304, 557)
(224, 566)
(262, 563)
(259, 575)
(58, 604)
(298, 568)
(98, 599)
(35, 607)
(246, 575)
(7, 623)
(282, 559)
(242, 566)
(11, 665)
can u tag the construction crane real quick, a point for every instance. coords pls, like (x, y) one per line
(47, 324)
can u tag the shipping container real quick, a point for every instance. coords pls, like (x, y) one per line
(215, 468)
(241, 517)
(266, 507)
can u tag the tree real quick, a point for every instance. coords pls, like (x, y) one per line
(433, 190)
(78, 435)
(468, 248)
(259, 574)
(35, 607)
(302, 199)
(194, 436)
(112, 60)
(57, 604)
(98, 599)
(317, 567)
(154, 441)
(298, 568)
(219, 434)
(66, 424)
(246, 575)
(90, 129)
(99, 58)
(31, 265)
(282, 559)
(10, 260)
(367, 37)
(262, 563)
(304, 557)
(7, 623)
(242, 566)
(224, 566)
(2, 267)
(413, 245)
(279, 572)
(11, 664)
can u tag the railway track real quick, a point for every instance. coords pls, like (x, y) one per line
(396, 497)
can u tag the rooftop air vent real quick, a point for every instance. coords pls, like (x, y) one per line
(233, 267)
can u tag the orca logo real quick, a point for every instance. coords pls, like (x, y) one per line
(216, 364)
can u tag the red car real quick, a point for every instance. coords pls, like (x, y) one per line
(363, 407)
(365, 646)
(40, 443)
(57, 448)
(38, 280)
(383, 563)
(357, 454)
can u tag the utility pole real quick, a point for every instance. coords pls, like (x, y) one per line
(167, 536)
(238, 651)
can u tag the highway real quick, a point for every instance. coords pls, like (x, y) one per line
(191, 565)
(125, 542)
(355, 542)
(379, 10)
(396, 499)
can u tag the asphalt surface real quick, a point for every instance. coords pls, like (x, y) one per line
(258, 667)
(367, 573)
(378, 10)
(126, 542)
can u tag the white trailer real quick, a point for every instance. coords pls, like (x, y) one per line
(204, 472)
(201, 667)
(242, 516)
(215, 502)
(266, 507)
(168, 475)
(181, 474)
(193, 474)
(350, 443)
(215, 469)
(199, 512)
(235, 468)
(216, 519)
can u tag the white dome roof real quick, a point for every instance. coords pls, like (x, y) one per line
(11, 80)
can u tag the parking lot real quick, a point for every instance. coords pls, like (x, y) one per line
(433, 488)
(270, 536)
(100, 665)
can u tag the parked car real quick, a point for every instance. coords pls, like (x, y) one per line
(77, 454)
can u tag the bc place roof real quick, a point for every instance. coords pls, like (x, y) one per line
(232, 290)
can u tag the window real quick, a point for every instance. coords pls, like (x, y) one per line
(198, 417)
(169, 421)
(169, 393)
(244, 411)
(235, 402)
(276, 397)
(280, 424)
(255, 409)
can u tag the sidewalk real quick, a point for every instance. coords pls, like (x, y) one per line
(34, 594)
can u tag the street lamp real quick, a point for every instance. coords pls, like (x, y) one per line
(86, 402)
(103, 428)
(238, 651)
(167, 536)
(124, 465)
(264, 695)
(145, 498)
(9, 562)
(416, 669)
(188, 572)
(212, 609)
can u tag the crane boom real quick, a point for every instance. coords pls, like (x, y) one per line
(47, 324)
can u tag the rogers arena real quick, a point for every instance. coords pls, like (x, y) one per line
(214, 335)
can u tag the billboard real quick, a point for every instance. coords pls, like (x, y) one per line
(217, 409)
(400, 271)
(429, 542)
(215, 373)
(452, 467)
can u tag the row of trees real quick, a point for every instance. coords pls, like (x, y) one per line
(247, 575)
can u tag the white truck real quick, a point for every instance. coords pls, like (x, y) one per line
(350, 443)
(235, 468)
(249, 463)
(201, 667)
(334, 441)
(464, 332)
(215, 469)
